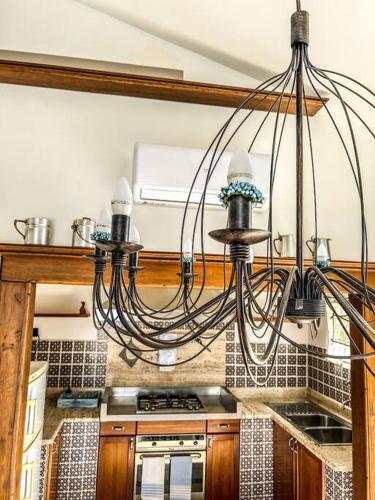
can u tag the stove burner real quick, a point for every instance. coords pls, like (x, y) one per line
(169, 403)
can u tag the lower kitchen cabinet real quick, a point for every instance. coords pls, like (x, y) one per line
(222, 473)
(115, 468)
(298, 474)
(52, 468)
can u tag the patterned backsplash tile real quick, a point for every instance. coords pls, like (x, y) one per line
(289, 370)
(75, 363)
(329, 378)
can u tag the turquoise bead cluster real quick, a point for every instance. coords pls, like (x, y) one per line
(249, 191)
(100, 235)
(187, 259)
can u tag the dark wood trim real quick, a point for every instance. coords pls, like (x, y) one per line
(16, 319)
(363, 416)
(60, 315)
(165, 89)
(66, 265)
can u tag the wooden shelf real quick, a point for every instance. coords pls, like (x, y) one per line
(60, 315)
(58, 76)
(67, 265)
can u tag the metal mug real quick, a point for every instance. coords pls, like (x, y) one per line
(320, 250)
(38, 230)
(287, 245)
(82, 231)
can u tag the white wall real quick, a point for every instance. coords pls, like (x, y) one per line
(61, 152)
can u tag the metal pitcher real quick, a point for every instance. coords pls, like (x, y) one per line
(320, 250)
(82, 231)
(37, 231)
(287, 247)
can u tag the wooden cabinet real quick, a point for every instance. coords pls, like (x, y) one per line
(222, 473)
(52, 473)
(115, 468)
(298, 474)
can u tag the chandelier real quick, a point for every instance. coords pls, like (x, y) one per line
(257, 302)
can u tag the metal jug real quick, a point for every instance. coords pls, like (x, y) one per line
(320, 250)
(82, 231)
(38, 230)
(287, 245)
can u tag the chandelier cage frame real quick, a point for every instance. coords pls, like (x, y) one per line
(297, 294)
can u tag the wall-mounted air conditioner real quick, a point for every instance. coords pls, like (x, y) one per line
(162, 175)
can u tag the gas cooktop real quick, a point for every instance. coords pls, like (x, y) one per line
(169, 403)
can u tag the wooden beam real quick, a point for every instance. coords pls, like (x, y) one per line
(363, 415)
(16, 319)
(66, 265)
(148, 87)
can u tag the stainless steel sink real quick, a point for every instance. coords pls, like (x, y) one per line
(315, 420)
(330, 435)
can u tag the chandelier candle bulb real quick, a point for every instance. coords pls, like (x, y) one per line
(134, 237)
(122, 200)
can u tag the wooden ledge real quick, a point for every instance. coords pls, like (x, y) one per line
(60, 76)
(66, 265)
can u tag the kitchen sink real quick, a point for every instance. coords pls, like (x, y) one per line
(330, 435)
(315, 420)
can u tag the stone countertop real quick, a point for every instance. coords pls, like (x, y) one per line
(338, 458)
(54, 417)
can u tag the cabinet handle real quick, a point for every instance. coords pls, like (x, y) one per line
(118, 427)
(223, 426)
(131, 444)
(295, 449)
(209, 443)
(291, 443)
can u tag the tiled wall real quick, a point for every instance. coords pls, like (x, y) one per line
(328, 378)
(256, 462)
(75, 363)
(290, 368)
(339, 485)
(43, 470)
(78, 461)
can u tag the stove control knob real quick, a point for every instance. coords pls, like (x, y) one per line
(181, 443)
(195, 443)
(154, 443)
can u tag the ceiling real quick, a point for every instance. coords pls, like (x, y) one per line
(253, 37)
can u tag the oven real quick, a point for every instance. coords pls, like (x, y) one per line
(167, 446)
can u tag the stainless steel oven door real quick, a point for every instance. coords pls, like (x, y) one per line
(198, 472)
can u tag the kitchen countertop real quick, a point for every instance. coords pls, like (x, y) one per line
(54, 417)
(338, 458)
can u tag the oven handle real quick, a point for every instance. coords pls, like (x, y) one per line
(168, 456)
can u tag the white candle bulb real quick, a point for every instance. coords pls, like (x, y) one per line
(188, 249)
(250, 260)
(122, 201)
(240, 169)
(104, 221)
(134, 236)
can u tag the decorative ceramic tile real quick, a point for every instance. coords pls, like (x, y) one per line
(75, 363)
(256, 459)
(339, 485)
(43, 471)
(289, 370)
(329, 378)
(78, 461)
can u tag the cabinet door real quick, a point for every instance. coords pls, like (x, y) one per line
(284, 458)
(222, 473)
(115, 468)
(310, 475)
(53, 468)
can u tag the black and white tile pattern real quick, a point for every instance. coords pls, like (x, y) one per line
(256, 462)
(78, 460)
(339, 485)
(290, 368)
(329, 378)
(75, 363)
(43, 470)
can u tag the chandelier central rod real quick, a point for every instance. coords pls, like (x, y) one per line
(299, 164)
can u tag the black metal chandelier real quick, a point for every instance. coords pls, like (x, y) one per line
(258, 302)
